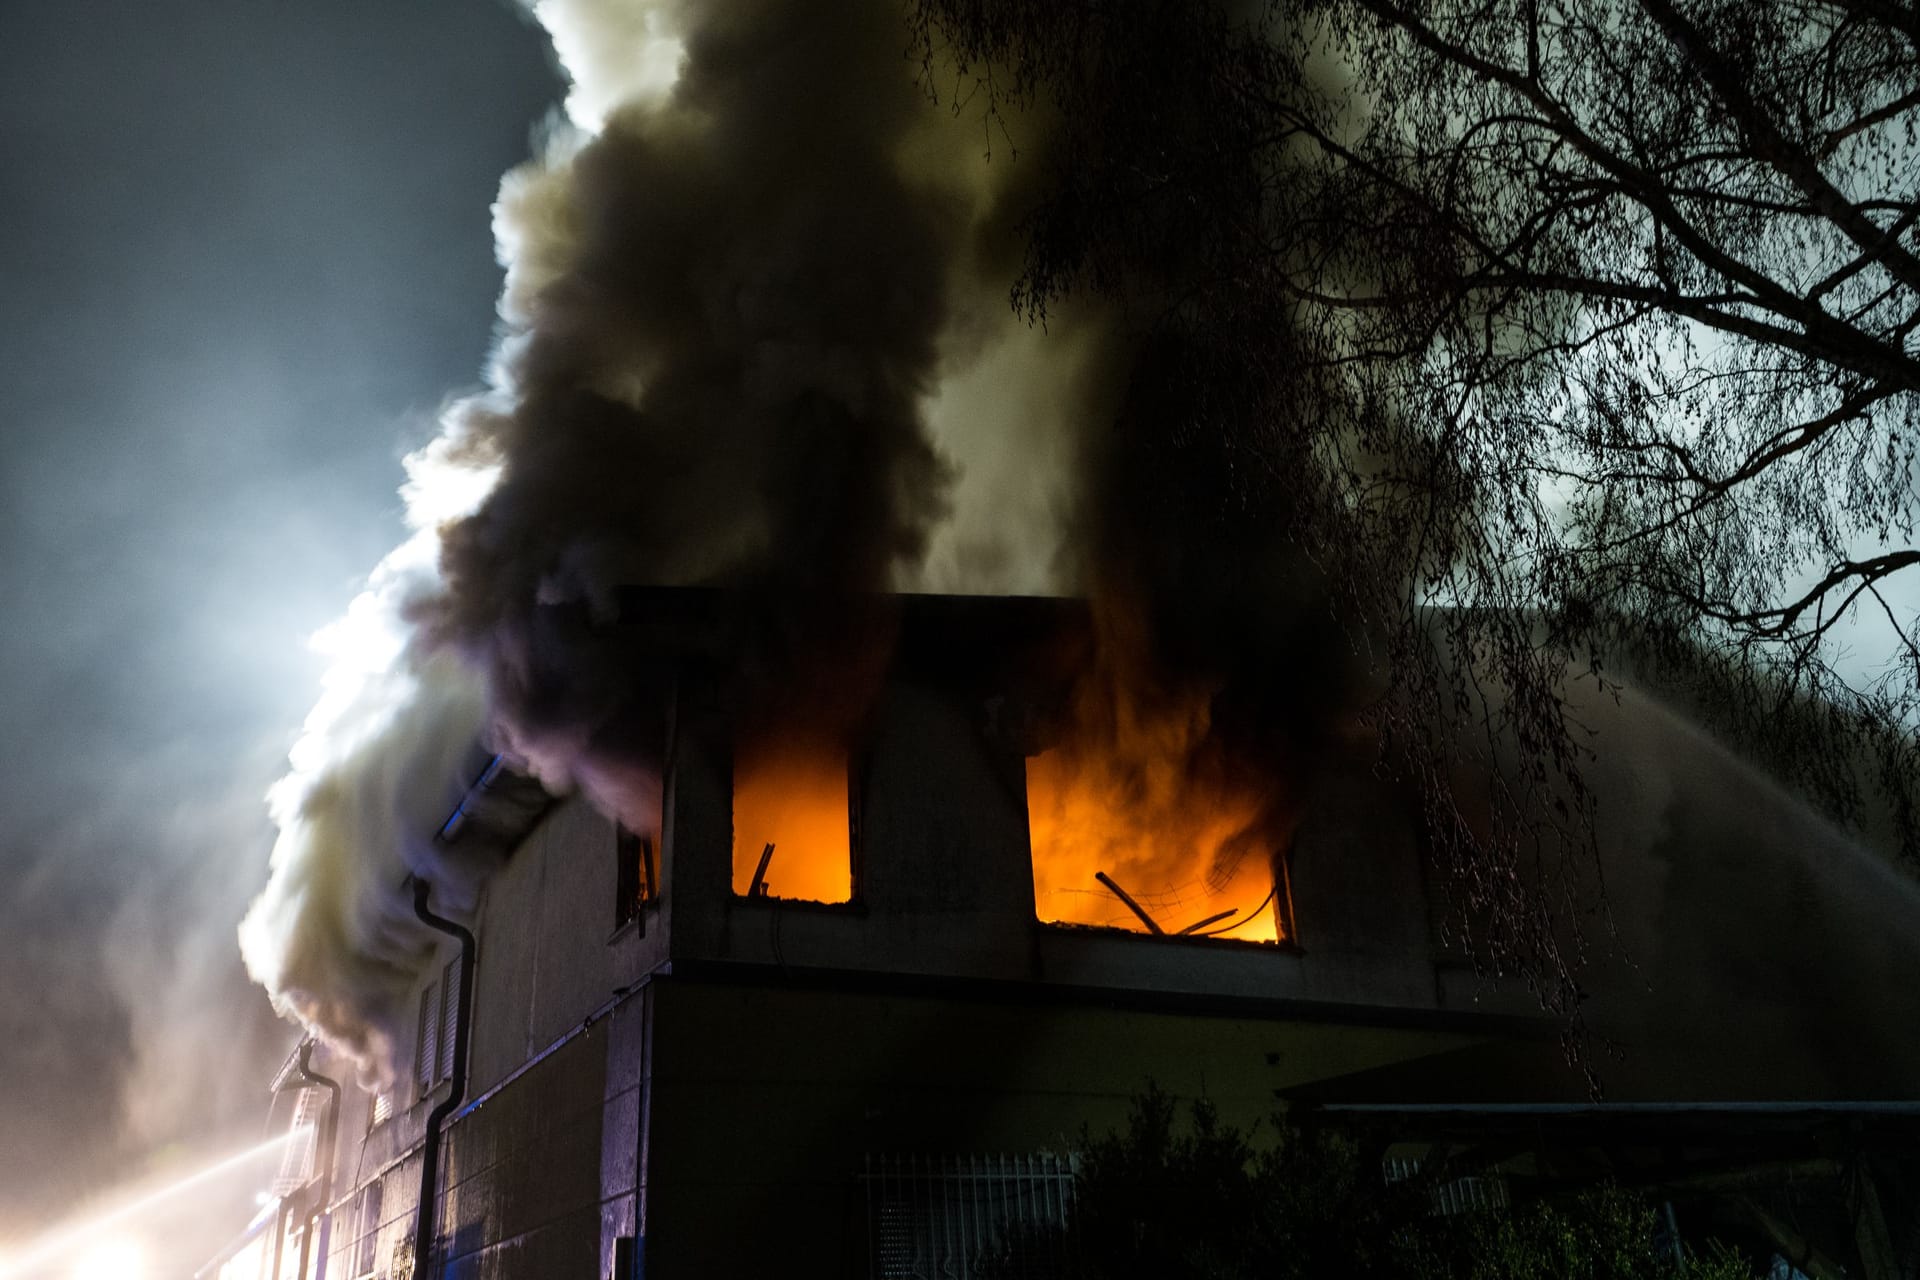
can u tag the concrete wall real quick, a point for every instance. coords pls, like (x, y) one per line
(731, 1145)
(528, 1189)
(527, 1192)
(766, 1099)
(945, 878)
(550, 953)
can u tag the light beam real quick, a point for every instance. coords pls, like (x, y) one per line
(62, 1239)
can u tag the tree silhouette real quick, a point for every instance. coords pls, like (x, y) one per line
(1569, 336)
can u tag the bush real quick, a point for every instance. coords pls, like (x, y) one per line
(1200, 1201)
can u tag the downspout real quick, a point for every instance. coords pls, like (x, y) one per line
(430, 1148)
(328, 1129)
(279, 1233)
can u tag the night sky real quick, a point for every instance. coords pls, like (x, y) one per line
(246, 253)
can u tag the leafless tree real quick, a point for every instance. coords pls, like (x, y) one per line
(1571, 332)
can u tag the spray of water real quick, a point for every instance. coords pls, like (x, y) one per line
(61, 1241)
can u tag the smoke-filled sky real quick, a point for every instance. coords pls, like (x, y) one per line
(248, 258)
(245, 254)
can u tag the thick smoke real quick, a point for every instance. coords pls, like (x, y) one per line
(755, 335)
(380, 764)
(718, 379)
(746, 335)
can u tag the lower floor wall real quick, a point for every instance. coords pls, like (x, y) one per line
(749, 1128)
(539, 1177)
(804, 1132)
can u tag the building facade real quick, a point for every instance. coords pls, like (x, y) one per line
(676, 1067)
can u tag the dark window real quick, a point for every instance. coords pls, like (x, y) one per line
(634, 882)
(366, 1229)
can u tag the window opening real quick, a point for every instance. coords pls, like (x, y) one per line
(1142, 818)
(635, 884)
(366, 1228)
(792, 818)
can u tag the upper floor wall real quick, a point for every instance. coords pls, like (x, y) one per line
(936, 852)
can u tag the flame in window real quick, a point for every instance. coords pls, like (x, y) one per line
(1142, 819)
(790, 792)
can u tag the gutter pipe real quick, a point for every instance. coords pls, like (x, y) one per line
(328, 1129)
(423, 1226)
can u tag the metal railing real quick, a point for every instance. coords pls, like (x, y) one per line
(968, 1217)
(1468, 1194)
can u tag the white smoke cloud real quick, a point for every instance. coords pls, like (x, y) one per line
(374, 773)
(616, 53)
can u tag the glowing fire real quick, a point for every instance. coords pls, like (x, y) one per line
(1140, 793)
(791, 792)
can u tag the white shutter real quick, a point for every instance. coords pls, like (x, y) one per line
(296, 1161)
(449, 1015)
(426, 1050)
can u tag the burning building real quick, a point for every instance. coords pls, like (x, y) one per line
(895, 936)
(789, 925)
(866, 977)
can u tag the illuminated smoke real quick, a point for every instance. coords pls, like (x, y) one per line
(740, 285)
(376, 770)
(755, 335)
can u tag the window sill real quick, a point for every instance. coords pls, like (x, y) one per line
(637, 925)
(771, 903)
(1285, 946)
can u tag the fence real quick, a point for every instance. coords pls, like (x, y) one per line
(1456, 1195)
(968, 1217)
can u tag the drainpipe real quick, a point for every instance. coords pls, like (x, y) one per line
(279, 1233)
(328, 1127)
(430, 1148)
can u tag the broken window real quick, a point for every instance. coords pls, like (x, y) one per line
(1141, 827)
(635, 883)
(792, 818)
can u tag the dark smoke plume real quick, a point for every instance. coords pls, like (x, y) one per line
(721, 384)
(743, 332)
(755, 335)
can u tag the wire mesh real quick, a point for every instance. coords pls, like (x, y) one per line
(968, 1217)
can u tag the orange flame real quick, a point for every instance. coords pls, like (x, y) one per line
(791, 791)
(1139, 789)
